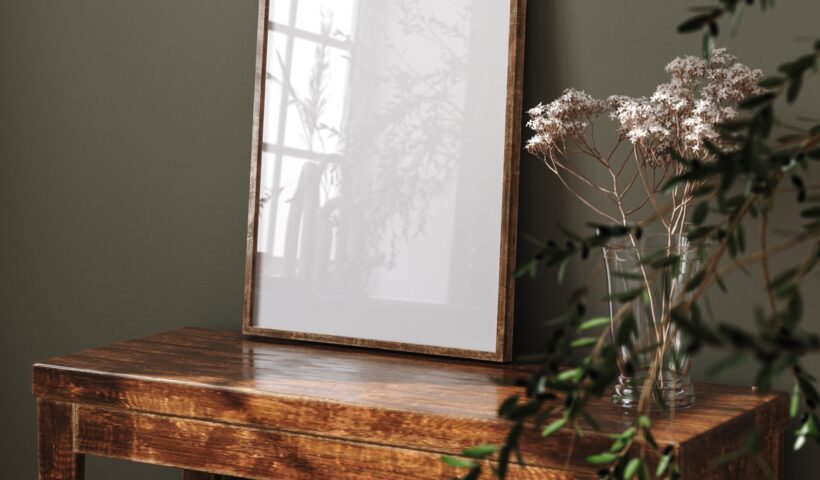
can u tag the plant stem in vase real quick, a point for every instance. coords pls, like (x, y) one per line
(655, 134)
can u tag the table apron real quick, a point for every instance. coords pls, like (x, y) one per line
(264, 454)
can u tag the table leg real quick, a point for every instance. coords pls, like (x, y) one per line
(193, 475)
(56, 459)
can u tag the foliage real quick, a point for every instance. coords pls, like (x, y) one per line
(737, 190)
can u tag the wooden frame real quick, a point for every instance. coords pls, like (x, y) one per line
(506, 281)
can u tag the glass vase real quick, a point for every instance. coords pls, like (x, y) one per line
(650, 350)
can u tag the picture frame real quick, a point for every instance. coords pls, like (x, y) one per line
(393, 249)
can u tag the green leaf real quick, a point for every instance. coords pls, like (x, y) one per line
(562, 269)
(799, 442)
(554, 427)
(507, 405)
(813, 428)
(644, 473)
(665, 262)
(782, 280)
(647, 434)
(651, 257)
(602, 458)
(794, 88)
(524, 410)
(791, 138)
(617, 445)
(721, 284)
(631, 468)
(693, 175)
(627, 275)
(808, 391)
(700, 213)
(794, 308)
(708, 45)
(480, 451)
(757, 101)
(663, 464)
(795, 401)
(773, 81)
(798, 67)
(732, 126)
(740, 234)
(594, 323)
(731, 242)
(590, 420)
(737, 16)
(644, 421)
(703, 190)
(573, 374)
(458, 462)
(811, 213)
(712, 147)
(695, 23)
(625, 435)
(530, 268)
(626, 296)
(695, 281)
(625, 330)
(583, 342)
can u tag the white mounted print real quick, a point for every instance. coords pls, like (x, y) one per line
(384, 174)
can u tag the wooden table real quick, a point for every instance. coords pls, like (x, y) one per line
(218, 402)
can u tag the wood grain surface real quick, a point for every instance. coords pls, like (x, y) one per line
(55, 442)
(341, 396)
(255, 453)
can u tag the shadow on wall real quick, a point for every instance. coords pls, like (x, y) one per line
(540, 298)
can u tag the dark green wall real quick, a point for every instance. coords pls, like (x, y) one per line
(124, 153)
(124, 149)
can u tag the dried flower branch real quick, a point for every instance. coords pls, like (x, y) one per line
(679, 116)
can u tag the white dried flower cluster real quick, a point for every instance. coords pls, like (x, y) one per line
(565, 117)
(680, 114)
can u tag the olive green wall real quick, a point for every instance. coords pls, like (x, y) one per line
(124, 146)
(124, 153)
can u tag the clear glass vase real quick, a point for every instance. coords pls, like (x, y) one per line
(654, 347)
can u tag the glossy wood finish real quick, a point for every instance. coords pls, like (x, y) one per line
(509, 214)
(219, 402)
(275, 454)
(59, 460)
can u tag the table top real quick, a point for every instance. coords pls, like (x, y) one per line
(385, 397)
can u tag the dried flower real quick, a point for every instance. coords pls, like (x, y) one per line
(680, 115)
(568, 116)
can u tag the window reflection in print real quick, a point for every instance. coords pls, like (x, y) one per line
(381, 173)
